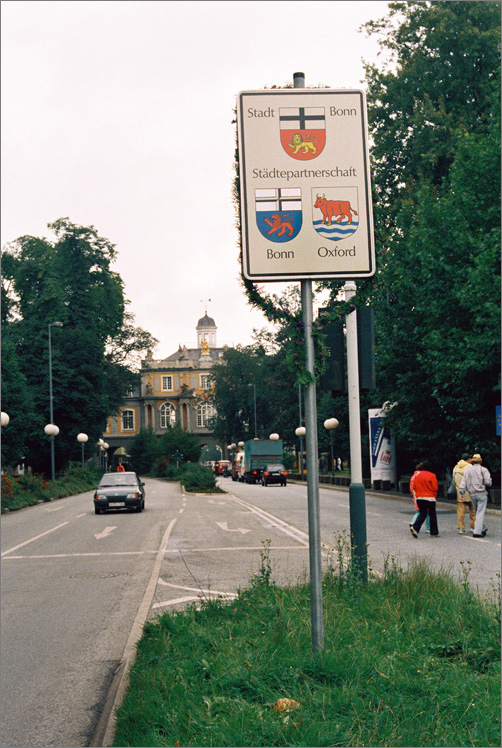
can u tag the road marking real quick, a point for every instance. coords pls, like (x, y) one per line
(54, 509)
(105, 533)
(82, 555)
(224, 526)
(31, 540)
(293, 532)
(238, 548)
(195, 589)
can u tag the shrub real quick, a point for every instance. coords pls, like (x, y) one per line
(196, 477)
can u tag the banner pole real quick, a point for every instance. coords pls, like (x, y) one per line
(357, 495)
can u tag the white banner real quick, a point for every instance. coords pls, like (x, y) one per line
(382, 448)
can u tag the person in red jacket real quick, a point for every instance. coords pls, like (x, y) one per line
(424, 486)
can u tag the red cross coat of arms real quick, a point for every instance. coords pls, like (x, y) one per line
(303, 131)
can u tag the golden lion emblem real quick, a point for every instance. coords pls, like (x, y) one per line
(297, 143)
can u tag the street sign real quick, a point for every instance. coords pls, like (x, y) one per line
(304, 185)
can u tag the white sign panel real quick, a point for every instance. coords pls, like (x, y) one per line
(304, 185)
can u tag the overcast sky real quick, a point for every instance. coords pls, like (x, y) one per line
(119, 115)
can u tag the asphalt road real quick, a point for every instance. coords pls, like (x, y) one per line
(74, 583)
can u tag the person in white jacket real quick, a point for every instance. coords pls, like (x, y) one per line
(476, 480)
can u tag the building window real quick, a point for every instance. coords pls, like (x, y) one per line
(204, 413)
(167, 415)
(167, 383)
(205, 382)
(127, 420)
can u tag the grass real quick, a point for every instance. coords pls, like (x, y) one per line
(410, 659)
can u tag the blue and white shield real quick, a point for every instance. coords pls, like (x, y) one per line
(279, 213)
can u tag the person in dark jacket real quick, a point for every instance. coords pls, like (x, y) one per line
(424, 486)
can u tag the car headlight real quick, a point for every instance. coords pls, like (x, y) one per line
(132, 496)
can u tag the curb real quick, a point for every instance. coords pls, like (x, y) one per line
(490, 509)
(104, 733)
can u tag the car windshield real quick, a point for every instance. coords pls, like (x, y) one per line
(273, 468)
(118, 479)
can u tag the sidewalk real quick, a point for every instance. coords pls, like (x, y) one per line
(491, 508)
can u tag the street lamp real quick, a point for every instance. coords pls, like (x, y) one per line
(52, 430)
(300, 432)
(254, 396)
(5, 419)
(330, 424)
(82, 438)
(274, 437)
(51, 415)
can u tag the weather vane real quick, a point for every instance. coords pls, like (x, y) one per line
(205, 302)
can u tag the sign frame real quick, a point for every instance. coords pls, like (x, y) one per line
(333, 241)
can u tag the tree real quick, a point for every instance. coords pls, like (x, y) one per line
(435, 122)
(17, 402)
(177, 439)
(144, 450)
(69, 280)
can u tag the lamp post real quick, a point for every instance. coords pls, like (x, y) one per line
(300, 432)
(82, 438)
(330, 424)
(254, 397)
(52, 430)
(51, 415)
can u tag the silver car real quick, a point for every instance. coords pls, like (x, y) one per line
(119, 491)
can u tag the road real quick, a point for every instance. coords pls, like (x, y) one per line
(74, 583)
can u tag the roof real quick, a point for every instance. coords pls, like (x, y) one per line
(206, 321)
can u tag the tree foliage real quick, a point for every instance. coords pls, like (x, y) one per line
(70, 280)
(435, 122)
(434, 118)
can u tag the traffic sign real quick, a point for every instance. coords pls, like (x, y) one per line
(304, 185)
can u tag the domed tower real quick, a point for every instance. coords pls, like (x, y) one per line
(206, 331)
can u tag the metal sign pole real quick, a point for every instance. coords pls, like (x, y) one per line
(357, 495)
(316, 606)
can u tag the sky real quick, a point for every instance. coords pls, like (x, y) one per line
(120, 115)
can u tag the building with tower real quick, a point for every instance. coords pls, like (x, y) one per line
(173, 390)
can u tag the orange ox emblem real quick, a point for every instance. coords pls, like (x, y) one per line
(332, 208)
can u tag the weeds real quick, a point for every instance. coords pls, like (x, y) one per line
(410, 659)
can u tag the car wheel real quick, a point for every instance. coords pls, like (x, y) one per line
(97, 510)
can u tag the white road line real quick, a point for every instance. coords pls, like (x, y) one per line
(195, 589)
(293, 532)
(237, 548)
(80, 555)
(31, 540)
